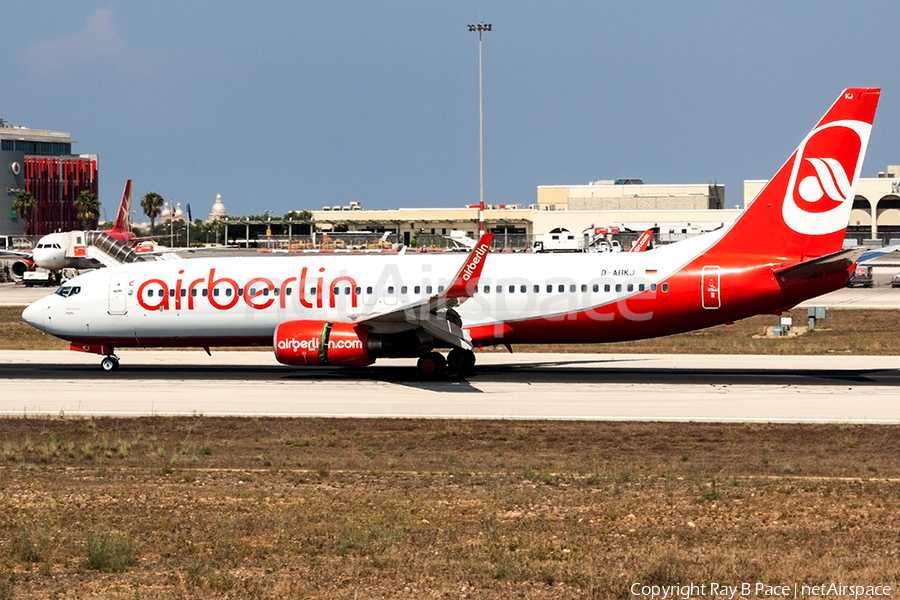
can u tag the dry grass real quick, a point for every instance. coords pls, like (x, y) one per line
(321, 508)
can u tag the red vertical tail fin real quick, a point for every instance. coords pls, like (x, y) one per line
(123, 219)
(804, 209)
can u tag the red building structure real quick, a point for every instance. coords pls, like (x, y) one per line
(56, 182)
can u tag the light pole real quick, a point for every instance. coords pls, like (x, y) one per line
(480, 28)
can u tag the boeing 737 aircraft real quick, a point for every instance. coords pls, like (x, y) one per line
(350, 310)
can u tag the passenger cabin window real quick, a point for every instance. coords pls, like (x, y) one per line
(369, 289)
(537, 289)
(665, 287)
(652, 287)
(427, 289)
(562, 288)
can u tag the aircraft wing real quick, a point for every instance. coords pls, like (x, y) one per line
(435, 315)
(824, 265)
(18, 253)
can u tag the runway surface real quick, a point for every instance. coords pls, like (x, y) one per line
(518, 386)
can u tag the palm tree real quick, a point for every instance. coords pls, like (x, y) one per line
(87, 207)
(25, 205)
(152, 204)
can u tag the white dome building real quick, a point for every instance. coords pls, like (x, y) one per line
(218, 210)
(178, 215)
(166, 215)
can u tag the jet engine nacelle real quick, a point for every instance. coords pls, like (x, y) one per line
(322, 343)
(21, 266)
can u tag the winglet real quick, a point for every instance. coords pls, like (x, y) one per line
(466, 280)
(641, 244)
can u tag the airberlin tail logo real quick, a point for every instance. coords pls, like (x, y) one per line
(826, 189)
(823, 176)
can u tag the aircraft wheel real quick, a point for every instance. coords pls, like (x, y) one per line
(110, 363)
(432, 365)
(461, 361)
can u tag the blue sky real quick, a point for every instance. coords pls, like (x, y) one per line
(297, 105)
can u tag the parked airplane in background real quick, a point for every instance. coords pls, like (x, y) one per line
(350, 310)
(67, 249)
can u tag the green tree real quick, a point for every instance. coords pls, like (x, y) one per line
(25, 205)
(304, 216)
(87, 207)
(152, 204)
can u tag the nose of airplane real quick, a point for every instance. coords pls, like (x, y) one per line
(33, 314)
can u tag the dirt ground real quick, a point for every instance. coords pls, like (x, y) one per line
(331, 508)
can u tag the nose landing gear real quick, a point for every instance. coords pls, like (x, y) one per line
(110, 362)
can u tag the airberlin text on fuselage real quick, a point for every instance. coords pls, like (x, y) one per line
(183, 293)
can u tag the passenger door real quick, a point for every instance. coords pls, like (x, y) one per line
(118, 292)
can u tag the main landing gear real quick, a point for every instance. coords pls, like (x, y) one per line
(433, 365)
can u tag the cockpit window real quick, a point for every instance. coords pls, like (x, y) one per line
(68, 290)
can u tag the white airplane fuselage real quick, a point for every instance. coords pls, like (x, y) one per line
(520, 298)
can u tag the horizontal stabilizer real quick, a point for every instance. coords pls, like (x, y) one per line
(872, 254)
(824, 265)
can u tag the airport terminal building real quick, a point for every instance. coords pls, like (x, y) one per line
(41, 162)
(678, 210)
